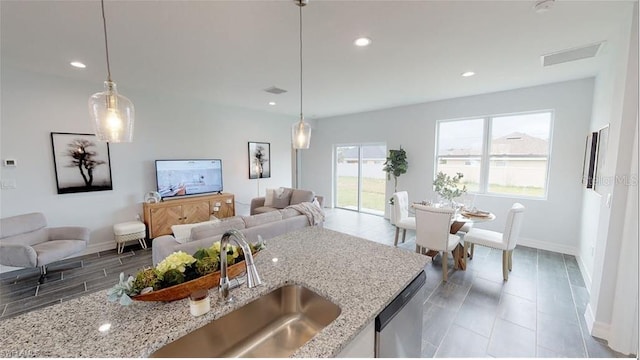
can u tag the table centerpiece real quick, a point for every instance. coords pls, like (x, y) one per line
(179, 274)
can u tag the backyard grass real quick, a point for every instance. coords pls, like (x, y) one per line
(372, 193)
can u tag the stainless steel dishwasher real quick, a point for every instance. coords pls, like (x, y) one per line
(399, 325)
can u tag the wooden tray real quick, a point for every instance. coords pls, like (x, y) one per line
(183, 290)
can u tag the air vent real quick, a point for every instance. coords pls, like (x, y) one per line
(583, 52)
(274, 90)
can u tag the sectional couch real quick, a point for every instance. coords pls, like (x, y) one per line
(267, 225)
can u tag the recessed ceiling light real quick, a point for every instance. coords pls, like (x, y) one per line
(104, 327)
(272, 103)
(363, 41)
(468, 73)
(78, 64)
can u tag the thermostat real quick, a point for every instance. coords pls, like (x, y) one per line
(9, 162)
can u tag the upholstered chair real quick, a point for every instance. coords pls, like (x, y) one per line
(432, 232)
(26, 241)
(401, 211)
(505, 241)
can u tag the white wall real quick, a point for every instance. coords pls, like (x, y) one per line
(616, 103)
(33, 105)
(413, 128)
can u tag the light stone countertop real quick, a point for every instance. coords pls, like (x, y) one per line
(361, 276)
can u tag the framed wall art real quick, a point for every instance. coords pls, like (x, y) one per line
(259, 160)
(81, 163)
(589, 160)
(603, 139)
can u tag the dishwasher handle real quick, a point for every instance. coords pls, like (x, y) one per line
(400, 301)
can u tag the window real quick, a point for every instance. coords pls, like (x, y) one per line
(507, 155)
(460, 146)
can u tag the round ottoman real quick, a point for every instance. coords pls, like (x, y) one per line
(129, 231)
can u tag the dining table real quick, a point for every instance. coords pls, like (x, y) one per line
(461, 218)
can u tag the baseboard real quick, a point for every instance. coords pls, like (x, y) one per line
(586, 276)
(545, 245)
(596, 328)
(94, 248)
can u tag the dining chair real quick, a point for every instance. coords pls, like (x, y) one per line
(432, 232)
(469, 202)
(505, 241)
(401, 211)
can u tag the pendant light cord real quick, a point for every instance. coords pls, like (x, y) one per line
(300, 5)
(106, 46)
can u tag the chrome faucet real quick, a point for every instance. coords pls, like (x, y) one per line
(253, 279)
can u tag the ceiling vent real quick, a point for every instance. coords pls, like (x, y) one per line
(583, 52)
(274, 90)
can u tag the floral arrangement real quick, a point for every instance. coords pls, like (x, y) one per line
(176, 269)
(449, 187)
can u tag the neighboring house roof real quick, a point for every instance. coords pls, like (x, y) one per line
(514, 144)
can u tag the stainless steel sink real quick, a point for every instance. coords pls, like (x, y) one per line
(274, 325)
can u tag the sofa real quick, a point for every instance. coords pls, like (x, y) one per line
(268, 225)
(26, 241)
(277, 199)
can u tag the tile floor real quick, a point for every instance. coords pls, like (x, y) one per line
(537, 313)
(67, 279)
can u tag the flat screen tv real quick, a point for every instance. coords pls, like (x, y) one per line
(188, 177)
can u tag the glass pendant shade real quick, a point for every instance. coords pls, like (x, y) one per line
(301, 134)
(112, 115)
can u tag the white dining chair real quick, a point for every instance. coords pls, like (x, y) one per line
(403, 220)
(505, 241)
(432, 232)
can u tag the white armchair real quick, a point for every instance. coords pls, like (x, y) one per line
(505, 241)
(25, 241)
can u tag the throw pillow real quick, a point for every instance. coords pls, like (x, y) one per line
(281, 198)
(299, 196)
(268, 197)
(182, 232)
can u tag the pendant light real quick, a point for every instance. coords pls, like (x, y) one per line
(301, 131)
(112, 113)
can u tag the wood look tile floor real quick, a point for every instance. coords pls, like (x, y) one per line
(67, 279)
(537, 313)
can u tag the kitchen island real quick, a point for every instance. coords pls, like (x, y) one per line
(360, 276)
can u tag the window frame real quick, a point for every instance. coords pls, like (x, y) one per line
(485, 156)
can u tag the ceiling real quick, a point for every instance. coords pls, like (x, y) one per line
(228, 52)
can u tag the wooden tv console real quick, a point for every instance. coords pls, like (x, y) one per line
(159, 217)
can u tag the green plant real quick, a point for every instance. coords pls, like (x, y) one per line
(175, 269)
(449, 187)
(395, 165)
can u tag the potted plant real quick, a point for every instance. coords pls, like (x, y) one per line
(449, 187)
(395, 165)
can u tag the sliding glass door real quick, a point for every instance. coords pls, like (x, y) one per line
(359, 179)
